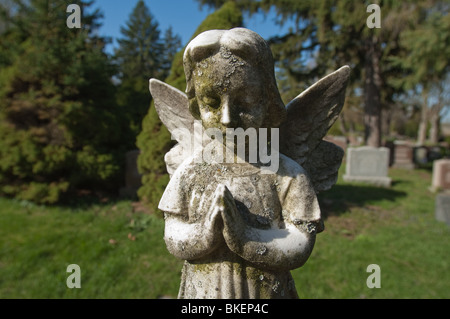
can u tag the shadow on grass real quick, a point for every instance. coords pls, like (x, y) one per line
(82, 201)
(342, 197)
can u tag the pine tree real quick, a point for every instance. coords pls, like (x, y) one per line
(333, 33)
(60, 129)
(154, 141)
(336, 32)
(139, 57)
(172, 44)
(426, 65)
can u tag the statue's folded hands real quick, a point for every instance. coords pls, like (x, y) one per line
(276, 248)
(193, 240)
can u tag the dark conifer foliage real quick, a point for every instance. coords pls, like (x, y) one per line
(61, 129)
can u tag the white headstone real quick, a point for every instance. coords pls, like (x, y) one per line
(368, 164)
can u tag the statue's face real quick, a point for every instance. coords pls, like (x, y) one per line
(230, 93)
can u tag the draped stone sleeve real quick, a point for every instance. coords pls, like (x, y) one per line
(297, 197)
(175, 197)
(192, 218)
(288, 243)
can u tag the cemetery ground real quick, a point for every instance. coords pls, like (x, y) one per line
(121, 252)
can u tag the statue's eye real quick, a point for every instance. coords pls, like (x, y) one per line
(211, 101)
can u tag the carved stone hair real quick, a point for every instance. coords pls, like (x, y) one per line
(248, 46)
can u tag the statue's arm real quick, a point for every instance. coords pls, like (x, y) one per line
(276, 248)
(280, 249)
(189, 241)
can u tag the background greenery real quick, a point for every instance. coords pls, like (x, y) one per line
(121, 252)
(69, 112)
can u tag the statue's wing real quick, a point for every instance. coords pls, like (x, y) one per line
(309, 117)
(172, 107)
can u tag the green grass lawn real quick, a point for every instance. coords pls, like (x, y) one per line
(121, 251)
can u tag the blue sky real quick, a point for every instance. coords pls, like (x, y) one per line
(183, 15)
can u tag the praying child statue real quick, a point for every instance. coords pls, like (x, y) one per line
(243, 215)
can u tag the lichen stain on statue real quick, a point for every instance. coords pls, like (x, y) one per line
(239, 228)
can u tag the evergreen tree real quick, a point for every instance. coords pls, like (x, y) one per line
(154, 141)
(60, 129)
(333, 33)
(338, 34)
(139, 57)
(426, 65)
(172, 44)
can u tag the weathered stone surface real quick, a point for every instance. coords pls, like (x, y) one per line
(340, 141)
(402, 155)
(239, 228)
(443, 207)
(441, 174)
(368, 164)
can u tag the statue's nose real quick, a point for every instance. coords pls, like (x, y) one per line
(226, 115)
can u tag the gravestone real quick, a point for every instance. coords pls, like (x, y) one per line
(443, 207)
(132, 176)
(403, 156)
(369, 165)
(441, 175)
(420, 155)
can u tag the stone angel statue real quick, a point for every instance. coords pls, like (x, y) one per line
(240, 228)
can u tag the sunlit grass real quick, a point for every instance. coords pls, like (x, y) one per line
(122, 254)
(392, 227)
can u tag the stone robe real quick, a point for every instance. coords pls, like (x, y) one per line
(265, 201)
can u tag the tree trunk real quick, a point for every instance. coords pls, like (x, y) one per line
(372, 93)
(435, 121)
(422, 132)
(386, 122)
